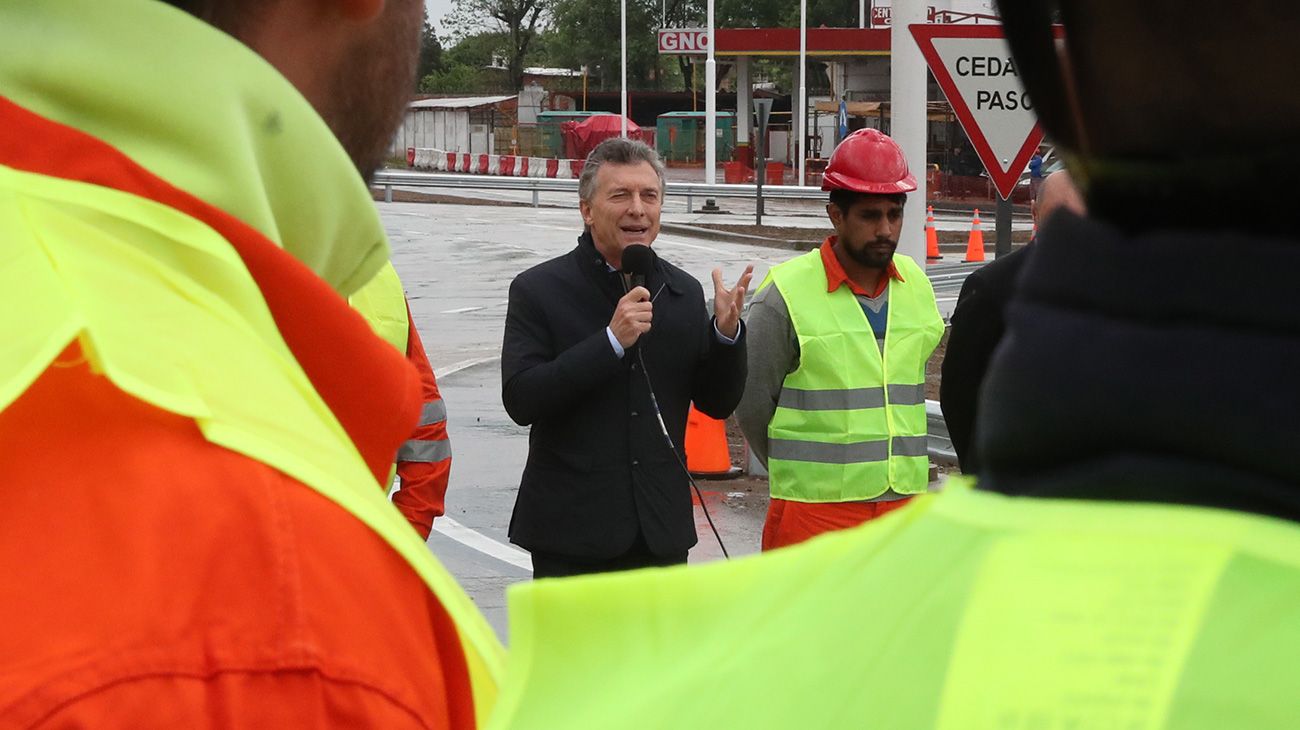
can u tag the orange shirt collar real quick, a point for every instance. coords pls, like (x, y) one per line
(835, 275)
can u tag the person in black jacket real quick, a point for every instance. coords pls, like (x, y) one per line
(979, 320)
(602, 489)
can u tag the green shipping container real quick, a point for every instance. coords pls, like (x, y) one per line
(679, 136)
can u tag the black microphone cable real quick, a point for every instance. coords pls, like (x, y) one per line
(637, 261)
(663, 429)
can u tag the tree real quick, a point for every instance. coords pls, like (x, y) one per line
(830, 13)
(514, 20)
(478, 50)
(586, 33)
(455, 79)
(430, 51)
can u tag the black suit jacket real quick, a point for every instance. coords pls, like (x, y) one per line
(599, 470)
(978, 323)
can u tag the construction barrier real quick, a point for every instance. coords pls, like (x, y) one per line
(931, 237)
(707, 454)
(425, 158)
(975, 244)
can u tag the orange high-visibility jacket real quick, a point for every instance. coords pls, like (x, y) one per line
(191, 532)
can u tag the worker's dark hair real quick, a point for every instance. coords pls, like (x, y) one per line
(230, 16)
(844, 199)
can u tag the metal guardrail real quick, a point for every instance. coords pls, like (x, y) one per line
(387, 179)
(940, 444)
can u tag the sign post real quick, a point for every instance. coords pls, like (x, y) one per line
(973, 66)
(908, 116)
(1002, 228)
(763, 110)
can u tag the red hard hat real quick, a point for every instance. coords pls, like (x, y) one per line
(868, 161)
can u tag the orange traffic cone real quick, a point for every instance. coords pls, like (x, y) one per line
(931, 237)
(706, 446)
(975, 244)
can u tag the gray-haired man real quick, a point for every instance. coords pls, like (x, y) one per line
(587, 362)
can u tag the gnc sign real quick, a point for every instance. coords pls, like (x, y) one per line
(690, 41)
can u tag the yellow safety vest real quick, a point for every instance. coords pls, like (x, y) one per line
(383, 305)
(850, 420)
(963, 611)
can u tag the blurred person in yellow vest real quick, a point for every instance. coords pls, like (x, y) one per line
(424, 460)
(834, 403)
(1130, 556)
(194, 426)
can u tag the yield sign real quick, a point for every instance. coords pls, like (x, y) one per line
(973, 66)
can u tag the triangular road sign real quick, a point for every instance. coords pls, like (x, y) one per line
(973, 66)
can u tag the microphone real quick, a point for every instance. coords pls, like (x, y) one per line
(637, 262)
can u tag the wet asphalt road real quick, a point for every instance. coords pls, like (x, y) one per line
(457, 263)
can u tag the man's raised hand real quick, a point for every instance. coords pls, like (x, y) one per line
(727, 303)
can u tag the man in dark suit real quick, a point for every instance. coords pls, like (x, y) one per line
(979, 320)
(583, 366)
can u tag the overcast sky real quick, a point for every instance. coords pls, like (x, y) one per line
(437, 9)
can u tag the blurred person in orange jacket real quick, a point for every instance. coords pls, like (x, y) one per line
(424, 459)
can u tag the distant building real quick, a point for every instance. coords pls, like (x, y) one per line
(459, 124)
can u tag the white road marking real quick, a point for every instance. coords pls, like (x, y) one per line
(710, 249)
(463, 365)
(482, 543)
(734, 256)
(462, 310)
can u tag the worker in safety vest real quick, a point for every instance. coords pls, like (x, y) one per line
(194, 425)
(1130, 557)
(834, 403)
(424, 460)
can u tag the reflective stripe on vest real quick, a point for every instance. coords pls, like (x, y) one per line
(850, 424)
(862, 451)
(849, 398)
(428, 451)
(433, 412)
